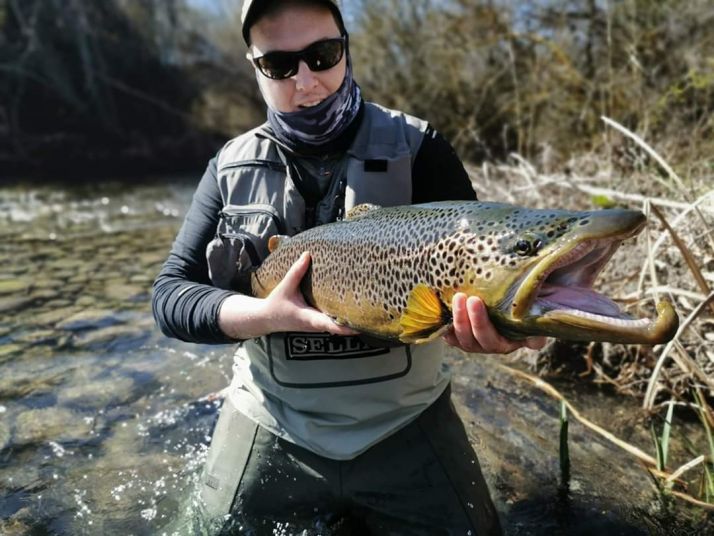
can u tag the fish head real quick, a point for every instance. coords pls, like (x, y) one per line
(535, 271)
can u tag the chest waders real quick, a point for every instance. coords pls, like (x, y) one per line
(327, 397)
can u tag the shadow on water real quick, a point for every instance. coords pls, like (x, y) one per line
(104, 423)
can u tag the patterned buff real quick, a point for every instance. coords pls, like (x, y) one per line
(319, 125)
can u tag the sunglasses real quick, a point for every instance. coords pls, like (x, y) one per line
(319, 56)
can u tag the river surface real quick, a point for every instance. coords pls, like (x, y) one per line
(104, 423)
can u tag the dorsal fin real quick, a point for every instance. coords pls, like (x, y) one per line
(359, 210)
(275, 241)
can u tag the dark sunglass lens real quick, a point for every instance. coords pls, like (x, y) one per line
(324, 55)
(278, 65)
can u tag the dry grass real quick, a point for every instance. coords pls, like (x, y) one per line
(672, 259)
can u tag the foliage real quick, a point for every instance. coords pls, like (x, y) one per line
(106, 82)
(501, 76)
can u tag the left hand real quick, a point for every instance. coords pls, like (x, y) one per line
(474, 332)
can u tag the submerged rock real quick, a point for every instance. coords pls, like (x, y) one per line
(86, 301)
(21, 476)
(58, 303)
(121, 486)
(89, 319)
(14, 527)
(112, 338)
(51, 424)
(44, 284)
(4, 435)
(98, 393)
(14, 385)
(142, 279)
(123, 292)
(14, 286)
(69, 265)
(9, 350)
(45, 294)
(39, 336)
(14, 303)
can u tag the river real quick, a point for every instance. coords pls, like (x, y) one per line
(104, 423)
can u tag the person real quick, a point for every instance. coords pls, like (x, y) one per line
(321, 431)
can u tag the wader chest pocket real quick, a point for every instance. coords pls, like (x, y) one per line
(383, 181)
(241, 244)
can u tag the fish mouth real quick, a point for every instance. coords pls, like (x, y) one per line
(556, 295)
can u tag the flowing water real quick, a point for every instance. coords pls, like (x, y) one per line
(104, 423)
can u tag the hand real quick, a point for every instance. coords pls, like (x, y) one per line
(285, 309)
(474, 332)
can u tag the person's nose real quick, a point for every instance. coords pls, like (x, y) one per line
(304, 79)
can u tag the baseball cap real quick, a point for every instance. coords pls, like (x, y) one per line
(252, 9)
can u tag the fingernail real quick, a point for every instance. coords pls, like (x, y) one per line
(536, 343)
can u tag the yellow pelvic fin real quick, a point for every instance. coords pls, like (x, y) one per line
(275, 241)
(438, 333)
(423, 316)
(359, 210)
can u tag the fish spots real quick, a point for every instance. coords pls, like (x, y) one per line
(372, 264)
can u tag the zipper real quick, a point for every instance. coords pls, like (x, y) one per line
(247, 242)
(273, 166)
(248, 210)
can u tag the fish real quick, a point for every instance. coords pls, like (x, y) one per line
(391, 272)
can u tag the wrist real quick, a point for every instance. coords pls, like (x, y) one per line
(243, 317)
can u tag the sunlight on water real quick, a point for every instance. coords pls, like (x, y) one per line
(104, 424)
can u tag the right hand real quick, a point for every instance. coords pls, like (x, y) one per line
(285, 309)
(474, 332)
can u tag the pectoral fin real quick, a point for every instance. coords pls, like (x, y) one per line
(275, 241)
(424, 319)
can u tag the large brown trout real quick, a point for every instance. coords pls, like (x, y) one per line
(392, 272)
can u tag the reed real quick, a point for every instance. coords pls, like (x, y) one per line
(669, 483)
(564, 451)
(661, 441)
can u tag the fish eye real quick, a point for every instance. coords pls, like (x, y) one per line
(523, 247)
(527, 246)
